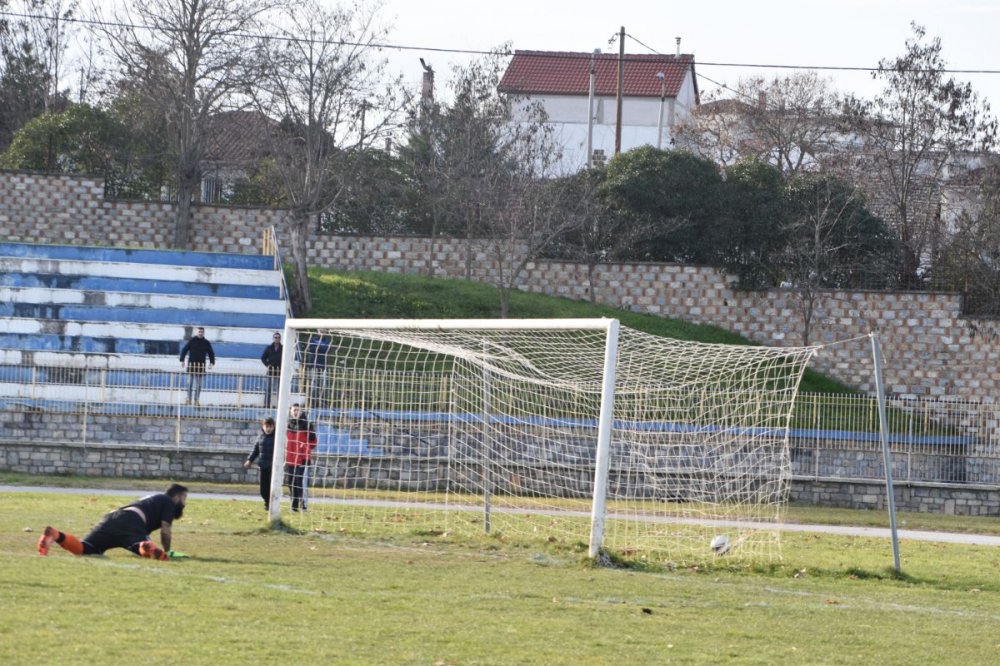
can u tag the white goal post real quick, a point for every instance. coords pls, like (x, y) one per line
(577, 431)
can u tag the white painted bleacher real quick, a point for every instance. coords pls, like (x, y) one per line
(85, 324)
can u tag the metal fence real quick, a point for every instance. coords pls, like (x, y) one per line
(91, 397)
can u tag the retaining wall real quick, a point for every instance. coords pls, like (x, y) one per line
(930, 349)
(191, 464)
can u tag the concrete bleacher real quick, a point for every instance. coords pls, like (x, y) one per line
(78, 319)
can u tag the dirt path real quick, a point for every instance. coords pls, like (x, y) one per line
(874, 532)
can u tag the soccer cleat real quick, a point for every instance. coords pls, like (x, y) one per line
(152, 551)
(47, 539)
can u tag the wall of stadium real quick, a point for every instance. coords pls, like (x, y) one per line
(191, 464)
(930, 349)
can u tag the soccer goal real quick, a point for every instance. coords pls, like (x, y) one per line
(577, 431)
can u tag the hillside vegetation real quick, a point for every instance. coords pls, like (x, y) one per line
(339, 294)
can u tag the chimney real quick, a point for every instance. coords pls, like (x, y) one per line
(426, 91)
(678, 40)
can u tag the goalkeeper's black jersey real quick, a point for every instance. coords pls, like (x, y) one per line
(157, 509)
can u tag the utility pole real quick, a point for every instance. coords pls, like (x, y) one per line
(621, 89)
(659, 123)
(590, 109)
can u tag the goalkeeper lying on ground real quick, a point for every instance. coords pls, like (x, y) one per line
(128, 527)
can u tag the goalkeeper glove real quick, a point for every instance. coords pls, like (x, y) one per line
(177, 555)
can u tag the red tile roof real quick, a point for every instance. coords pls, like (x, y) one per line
(562, 73)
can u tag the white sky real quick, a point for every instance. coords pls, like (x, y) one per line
(789, 32)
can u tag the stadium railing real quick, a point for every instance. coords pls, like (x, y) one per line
(831, 436)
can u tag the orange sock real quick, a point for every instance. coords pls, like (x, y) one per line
(152, 551)
(71, 543)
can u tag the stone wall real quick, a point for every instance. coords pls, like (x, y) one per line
(125, 430)
(930, 349)
(38, 208)
(191, 464)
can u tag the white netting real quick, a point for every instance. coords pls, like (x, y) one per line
(501, 424)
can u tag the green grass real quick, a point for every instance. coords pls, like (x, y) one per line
(375, 295)
(253, 595)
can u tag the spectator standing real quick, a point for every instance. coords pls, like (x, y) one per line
(263, 452)
(317, 350)
(298, 453)
(197, 351)
(271, 358)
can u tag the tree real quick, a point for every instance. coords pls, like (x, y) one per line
(79, 140)
(789, 122)
(85, 139)
(671, 202)
(916, 133)
(31, 51)
(316, 70)
(373, 195)
(969, 261)
(482, 168)
(754, 224)
(833, 241)
(599, 235)
(187, 56)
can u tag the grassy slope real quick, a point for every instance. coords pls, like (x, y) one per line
(390, 296)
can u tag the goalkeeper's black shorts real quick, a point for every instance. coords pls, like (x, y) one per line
(118, 529)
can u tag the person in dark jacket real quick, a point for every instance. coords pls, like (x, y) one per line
(128, 527)
(271, 358)
(263, 452)
(298, 452)
(317, 351)
(197, 350)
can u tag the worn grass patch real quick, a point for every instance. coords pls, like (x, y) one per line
(255, 595)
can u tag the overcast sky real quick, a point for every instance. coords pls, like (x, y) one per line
(855, 33)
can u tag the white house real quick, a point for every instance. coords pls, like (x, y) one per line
(560, 82)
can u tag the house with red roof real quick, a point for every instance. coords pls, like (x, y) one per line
(560, 82)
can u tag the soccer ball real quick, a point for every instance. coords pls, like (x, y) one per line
(720, 544)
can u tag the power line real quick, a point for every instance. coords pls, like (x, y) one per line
(440, 49)
(838, 68)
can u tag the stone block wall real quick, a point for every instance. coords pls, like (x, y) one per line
(126, 461)
(84, 429)
(192, 464)
(70, 209)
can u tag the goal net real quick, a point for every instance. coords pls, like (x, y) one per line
(578, 432)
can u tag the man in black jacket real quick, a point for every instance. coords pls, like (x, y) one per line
(263, 452)
(271, 358)
(128, 527)
(197, 350)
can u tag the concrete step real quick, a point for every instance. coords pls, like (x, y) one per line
(202, 274)
(260, 337)
(140, 315)
(131, 379)
(61, 359)
(43, 296)
(117, 344)
(138, 256)
(137, 285)
(12, 392)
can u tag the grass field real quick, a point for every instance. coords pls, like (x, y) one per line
(251, 595)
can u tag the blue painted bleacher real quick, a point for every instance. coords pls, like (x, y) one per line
(137, 256)
(108, 312)
(138, 285)
(140, 315)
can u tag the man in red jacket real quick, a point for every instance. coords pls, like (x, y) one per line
(298, 452)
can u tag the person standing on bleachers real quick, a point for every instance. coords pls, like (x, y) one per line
(271, 358)
(197, 350)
